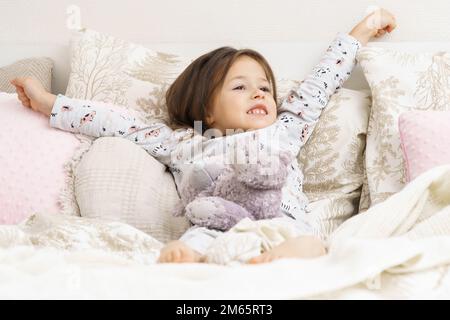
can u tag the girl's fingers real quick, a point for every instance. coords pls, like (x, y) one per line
(22, 97)
(393, 25)
(26, 103)
(390, 27)
(18, 82)
(380, 32)
(18, 88)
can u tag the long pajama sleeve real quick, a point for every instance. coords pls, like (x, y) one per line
(98, 119)
(303, 106)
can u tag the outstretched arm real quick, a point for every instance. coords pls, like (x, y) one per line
(303, 106)
(99, 119)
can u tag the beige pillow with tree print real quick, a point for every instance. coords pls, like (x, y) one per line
(332, 159)
(400, 82)
(111, 70)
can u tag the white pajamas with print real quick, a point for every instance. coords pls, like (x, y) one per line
(297, 117)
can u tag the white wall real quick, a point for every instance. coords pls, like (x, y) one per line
(44, 21)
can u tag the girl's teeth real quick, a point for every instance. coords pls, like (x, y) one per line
(257, 111)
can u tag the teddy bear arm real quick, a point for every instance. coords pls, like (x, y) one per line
(215, 213)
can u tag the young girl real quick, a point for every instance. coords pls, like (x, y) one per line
(224, 89)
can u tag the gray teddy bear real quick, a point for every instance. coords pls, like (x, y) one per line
(218, 197)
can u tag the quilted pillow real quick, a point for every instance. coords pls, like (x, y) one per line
(39, 68)
(400, 81)
(134, 188)
(425, 142)
(33, 162)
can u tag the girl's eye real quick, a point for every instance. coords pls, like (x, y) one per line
(265, 89)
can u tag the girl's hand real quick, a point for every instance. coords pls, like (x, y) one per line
(33, 95)
(375, 24)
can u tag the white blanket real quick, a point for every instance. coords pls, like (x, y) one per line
(397, 249)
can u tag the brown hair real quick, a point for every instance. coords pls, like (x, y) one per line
(190, 96)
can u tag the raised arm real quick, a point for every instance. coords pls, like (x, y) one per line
(303, 106)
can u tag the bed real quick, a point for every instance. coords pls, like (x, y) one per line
(396, 247)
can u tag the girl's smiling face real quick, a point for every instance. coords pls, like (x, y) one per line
(245, 100)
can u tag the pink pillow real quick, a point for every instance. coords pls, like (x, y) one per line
(425, 140)
(32, 161)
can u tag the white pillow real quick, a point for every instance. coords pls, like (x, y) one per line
(400, 81)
